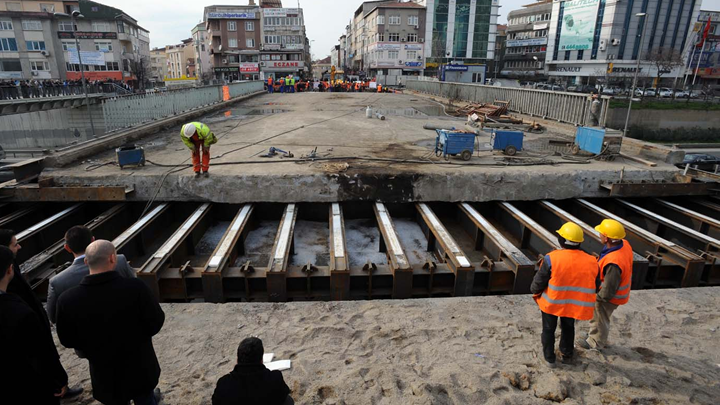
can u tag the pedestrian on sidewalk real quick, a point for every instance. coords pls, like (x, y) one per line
(565, 288)
(616, 261)
(196, 136)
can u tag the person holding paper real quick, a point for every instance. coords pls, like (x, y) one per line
(251, 382)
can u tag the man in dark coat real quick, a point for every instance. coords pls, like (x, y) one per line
(31, 371)
(112, 320)
(250, 382)
(22, 289)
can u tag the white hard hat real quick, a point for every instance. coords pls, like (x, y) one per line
(189, 130)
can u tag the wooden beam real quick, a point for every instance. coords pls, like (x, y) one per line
(339, 260)
(280, 256)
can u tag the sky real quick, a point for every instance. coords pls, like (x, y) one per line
(170, 21)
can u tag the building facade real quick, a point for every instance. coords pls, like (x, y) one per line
(708, 56)
(592, 40)
(235, 35)
(36, 43)
(527, 39)
(285, 48)
(202, 52)
(175, 61)
(461, 32)
(500, 47)
(158, 65)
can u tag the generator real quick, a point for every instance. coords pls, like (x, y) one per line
(453, 143)
(130, 155)
(604, 143)
(509, 142)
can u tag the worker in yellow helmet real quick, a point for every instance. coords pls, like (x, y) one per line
(564, 288)
(616, 263)
(196, 136)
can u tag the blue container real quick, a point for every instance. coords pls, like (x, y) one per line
(130, 156)
(454, 143)
(509, 142)
(590, 139)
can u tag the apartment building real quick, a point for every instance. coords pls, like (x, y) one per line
(234, 34)
(285, 49)
(181, 60)
(592, 38)
(202, 52)
(527, 39)
(158, 64)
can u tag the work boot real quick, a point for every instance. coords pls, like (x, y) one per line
(552, 365)
(567, 360)
(582, 343)
(206, 174)
(73, 393)
(197, 174)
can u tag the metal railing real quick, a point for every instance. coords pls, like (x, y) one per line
(129, 111)
(565, 107)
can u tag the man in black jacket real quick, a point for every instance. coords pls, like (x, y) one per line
(112, 321)
(22, 289)
(31, 371)
(250, 382)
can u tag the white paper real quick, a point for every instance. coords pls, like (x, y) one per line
(279, 365)
(268, 357)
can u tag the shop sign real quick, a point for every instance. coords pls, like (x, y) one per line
(232, 16)
(286, 64)
(568, 69)
(271, 47)
(526, 42)
(456, 68)
(87, 35)
(226, 69)
(294, 46)
(413, 64)
(249, 67)
(413, 47)
(388, 47)
(281, 12)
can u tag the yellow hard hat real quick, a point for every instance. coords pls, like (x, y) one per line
(571, 232)
(612, 229)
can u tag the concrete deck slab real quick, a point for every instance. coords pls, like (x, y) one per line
(336, 124)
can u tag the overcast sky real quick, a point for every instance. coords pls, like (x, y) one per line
(170, 21)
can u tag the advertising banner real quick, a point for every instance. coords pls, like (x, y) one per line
(232, 16)
(526, 42)
(578, 25)
(87, 35)
(280, 12)
(88, 58)
(413, 47)
(249, 67)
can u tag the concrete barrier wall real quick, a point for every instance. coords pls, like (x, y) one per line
(571, 108)
(664, 119)
(49, 129)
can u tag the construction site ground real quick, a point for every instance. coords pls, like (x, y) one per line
(364, 159)
(482, 350)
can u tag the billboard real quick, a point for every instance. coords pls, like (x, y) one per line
(88, 58)
(578, 24)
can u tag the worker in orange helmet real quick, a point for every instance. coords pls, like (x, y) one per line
(198, 136)
(616, 262)
(565, 288)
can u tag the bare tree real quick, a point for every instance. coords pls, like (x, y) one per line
(140, 67)
(665, 60)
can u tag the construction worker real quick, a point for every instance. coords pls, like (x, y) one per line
(379, 87)
(282, 85)
(564, 288)
(270, 84)
(616, 261)
(195, 136)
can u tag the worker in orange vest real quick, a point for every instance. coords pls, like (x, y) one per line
(357, 87)
(282, 84)
(379, 86)
(270, 85)
(616, 262)
(565, 288)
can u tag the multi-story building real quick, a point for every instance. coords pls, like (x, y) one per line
(285, 48)
(158, 65)
(175, 61)
(189, 57)
(234, 39)
(460, 32)
(589, 39)
(29, 46)
(342, 52)
(708, 70)
(335, 56)
(393, 36)
(527, 39)
(202, 52)
(497, 65)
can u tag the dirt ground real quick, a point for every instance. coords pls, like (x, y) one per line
(482, 350)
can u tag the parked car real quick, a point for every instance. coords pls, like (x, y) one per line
(701, 161)
(555, 87)
(682, 94)
(665, 92)
(572, 88)
(645, 92)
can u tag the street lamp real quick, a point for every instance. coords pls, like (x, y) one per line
(637, 70)
(76, 14)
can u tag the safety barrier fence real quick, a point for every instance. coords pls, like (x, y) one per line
(565, 107)
(129, 111)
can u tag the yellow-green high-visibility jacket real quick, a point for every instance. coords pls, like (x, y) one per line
(203, 133)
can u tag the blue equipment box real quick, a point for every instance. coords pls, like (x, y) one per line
(454, 143)
(132, 155)
(510, 142)
(590, 139)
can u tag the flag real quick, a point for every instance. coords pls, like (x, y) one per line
(706, 31)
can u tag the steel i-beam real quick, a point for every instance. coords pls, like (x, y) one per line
(488, 238)
(283, 247)
(398, 261)
(224, 255)
(339, 260)
(449, 250)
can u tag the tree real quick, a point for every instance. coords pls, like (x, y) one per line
(665, 60)
(140, 67)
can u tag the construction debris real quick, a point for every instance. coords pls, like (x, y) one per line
(482, 111)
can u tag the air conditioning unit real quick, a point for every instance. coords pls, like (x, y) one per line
(34, 73)
(603, 45)
(422, 40)
(400, 62)
(224, 61)
(262, 64)
(404, 40)
(615, 42)
(420, 58)
(44, 53)
(416, 27)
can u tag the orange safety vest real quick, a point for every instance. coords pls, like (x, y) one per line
(622, 258)
(379, 86)
(571, 290)
(270, 81)
(357, 86)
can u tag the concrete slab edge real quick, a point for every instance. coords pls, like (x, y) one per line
(80, 152)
